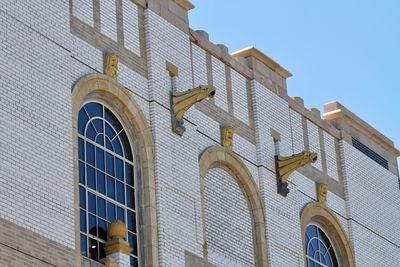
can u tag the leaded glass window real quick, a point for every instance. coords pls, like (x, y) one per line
(319, 249)
(106, 180)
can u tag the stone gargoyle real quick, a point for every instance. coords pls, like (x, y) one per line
(287, 165)
(182, 101)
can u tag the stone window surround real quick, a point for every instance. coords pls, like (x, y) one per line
(106, 90)
(315, 213)
(320, 228)
(220, 157)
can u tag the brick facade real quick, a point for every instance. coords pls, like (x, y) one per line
(46, 50)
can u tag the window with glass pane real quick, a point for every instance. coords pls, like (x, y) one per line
(319, 250)
(106, 180)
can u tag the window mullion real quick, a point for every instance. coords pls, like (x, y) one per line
(114, 202)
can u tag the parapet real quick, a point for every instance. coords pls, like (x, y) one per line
(256, 57)
(250, 62)
(219, 51)
(174, 11)
(354, 129)
(254, 64)
(265, 69)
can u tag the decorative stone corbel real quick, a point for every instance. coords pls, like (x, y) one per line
(322, 193)
(182, 101)
(227, 137)
(111, 65)
(287, 165)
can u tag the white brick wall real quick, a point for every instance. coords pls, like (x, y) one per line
(83, 10)
(337, 204)
(372, 250)
(35, 133)
(330, 153)
(207, 126)
(199, 66)
(178, 189)
(344, 223)
(133, 81)
(50, 18)
(86, 54)
(166, 43)
(227, 221)
(239, 96)
(271, 111)
(204, 142)
(219, 82)
(108, 18)
(373, 197)
(283, 222)
(304, 184)
(40, 61)
(253, 169)
(244, 148)
(131, 26)
(297, 131)
(79, 70)
(313, 139)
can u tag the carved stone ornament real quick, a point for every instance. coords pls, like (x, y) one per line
(117, 232)
(182, 101)
(287, 165)
(322, 193)
(111, 66)
(227, 137)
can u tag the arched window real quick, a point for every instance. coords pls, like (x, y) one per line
(325, 241)
(319, 249)
(106, 180)
(216, 160)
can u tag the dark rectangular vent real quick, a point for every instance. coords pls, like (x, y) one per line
(370, 153)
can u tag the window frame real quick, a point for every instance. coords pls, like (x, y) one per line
(332, 244)
(315, 212)
(97, 86)
(134, 162)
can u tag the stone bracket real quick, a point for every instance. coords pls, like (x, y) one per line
(181, 101)
(285, 166)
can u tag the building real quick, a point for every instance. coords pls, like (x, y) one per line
(91, 133)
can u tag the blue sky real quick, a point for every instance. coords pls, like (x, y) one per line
(346, 51)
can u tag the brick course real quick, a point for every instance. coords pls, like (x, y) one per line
(45, 50)
(228, 221)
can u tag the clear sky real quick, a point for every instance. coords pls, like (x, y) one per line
(346, 51)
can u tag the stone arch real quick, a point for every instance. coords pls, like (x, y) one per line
(223, 158)
(317, 213)
(102, 88)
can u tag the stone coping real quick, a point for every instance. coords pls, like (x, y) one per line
(251, 51)
(185, 4)
(201, 39)
(335, 110)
